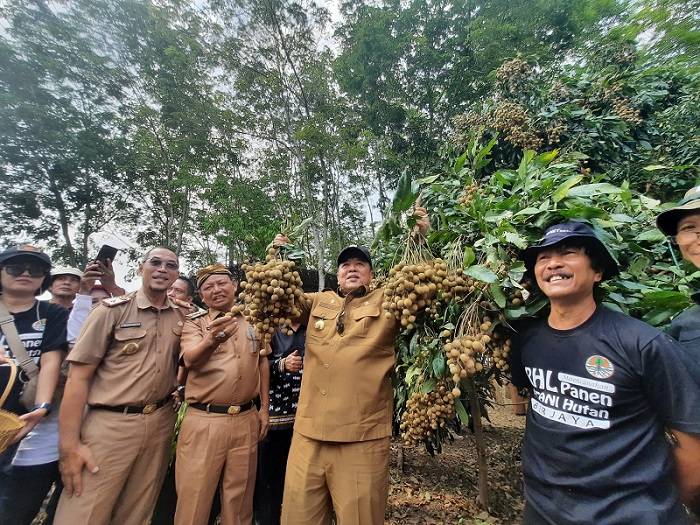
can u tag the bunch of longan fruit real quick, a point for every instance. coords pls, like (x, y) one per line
(411, 288)
(425, 414)
(464, 352)
(269, 293)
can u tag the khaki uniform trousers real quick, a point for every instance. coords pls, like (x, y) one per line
(213, 449)
(351, 478)
(132, 452)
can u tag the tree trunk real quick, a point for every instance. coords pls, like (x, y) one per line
(483, 483)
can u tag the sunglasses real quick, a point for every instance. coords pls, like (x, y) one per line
(157, 263)
(15, 270)
(339, 324)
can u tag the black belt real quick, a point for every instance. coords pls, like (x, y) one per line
(222, 409)
(124, 409)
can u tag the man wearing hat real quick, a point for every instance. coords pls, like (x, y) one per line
(65, 282)
(682, 226)
(604, 386)
(339, 457)
(113, 456)
(41, 327)
(218, 440)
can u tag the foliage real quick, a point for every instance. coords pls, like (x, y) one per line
(632, 121)
(482, 223)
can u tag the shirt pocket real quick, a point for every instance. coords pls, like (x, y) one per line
(130, 343)
(689, 336)
(366, 318)
(322, 322)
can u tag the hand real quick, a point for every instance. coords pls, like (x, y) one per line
(422, 221)
(292, 363)
(177, 399)
(107, 277)
(91, 274)
(221, 329)
(183, 304)
(264, 417)
(280, 239)
(71, 465)
(31, 419)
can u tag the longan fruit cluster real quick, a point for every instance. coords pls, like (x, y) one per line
(501, 345)
(412, 287)
(456, 286)
(627, 113)
(464, 351)
(470, 193)
(512, 119)
(269, 292)
(426, 413)
(512, 74)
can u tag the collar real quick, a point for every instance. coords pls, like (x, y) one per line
(143, 302)
(360, 291)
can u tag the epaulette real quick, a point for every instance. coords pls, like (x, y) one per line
(199, 313)
(114, 301)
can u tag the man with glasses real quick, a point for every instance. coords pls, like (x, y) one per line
(41, 326)
(339, 457)
(682, 225)
(123, 367)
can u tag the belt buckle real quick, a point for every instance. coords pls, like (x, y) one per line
(149, 408)
(234, 409)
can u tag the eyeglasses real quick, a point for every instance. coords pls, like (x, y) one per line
(339, 324)
(157, 263)
(686, 237)
(15, 270)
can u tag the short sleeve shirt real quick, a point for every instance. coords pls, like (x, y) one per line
(594, 449)
(231, 375)
(135, 347)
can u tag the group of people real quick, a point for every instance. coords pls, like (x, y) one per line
(605, 392)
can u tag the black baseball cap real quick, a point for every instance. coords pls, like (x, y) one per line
(27, 251)
(354, 251)
(570, 230)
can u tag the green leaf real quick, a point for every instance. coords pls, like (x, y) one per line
(404, 197)
(590, 190)
(481, 273)
(440, 366)
(459, 164)
(564, 188)
(469, 257)
(428, 386)
(461, 412)
(652, 235)
(498, 295)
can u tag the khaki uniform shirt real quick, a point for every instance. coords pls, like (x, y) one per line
(135, 347)
(346, 392)
(231, 376)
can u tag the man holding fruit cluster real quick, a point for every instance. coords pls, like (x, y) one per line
(339, 457)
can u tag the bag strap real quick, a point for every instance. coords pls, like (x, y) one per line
(10, 382)
(7, 324)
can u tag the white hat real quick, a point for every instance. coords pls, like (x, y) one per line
(66, 270)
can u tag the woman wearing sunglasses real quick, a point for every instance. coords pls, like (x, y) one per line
(30, 467)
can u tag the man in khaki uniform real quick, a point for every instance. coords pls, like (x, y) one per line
(339, 458)
(218, 440)
(123, 366)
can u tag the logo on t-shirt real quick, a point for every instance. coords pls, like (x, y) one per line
(599, 367)
(39, 325)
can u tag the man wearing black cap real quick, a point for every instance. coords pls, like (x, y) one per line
(339, 458)
(41, 326)
(604, 386)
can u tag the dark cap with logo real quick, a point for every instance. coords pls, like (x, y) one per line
(570, 231)
(25, 251)
(667, 221)
(354, 251)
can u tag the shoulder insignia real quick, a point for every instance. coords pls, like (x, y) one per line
(114, 301)
(195, 315)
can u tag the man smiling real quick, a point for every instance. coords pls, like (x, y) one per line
(604, 386)
(113, 457)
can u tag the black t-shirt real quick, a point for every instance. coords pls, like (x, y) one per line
(41, 329)
(594, 449)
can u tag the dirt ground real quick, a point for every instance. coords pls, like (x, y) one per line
(442, 490)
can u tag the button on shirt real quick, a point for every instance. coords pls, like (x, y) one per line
(346, 392)
(231, 375)
(135, 346)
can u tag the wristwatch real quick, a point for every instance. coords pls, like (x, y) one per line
(46, 406)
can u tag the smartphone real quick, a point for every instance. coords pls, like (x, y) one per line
(106, 252)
